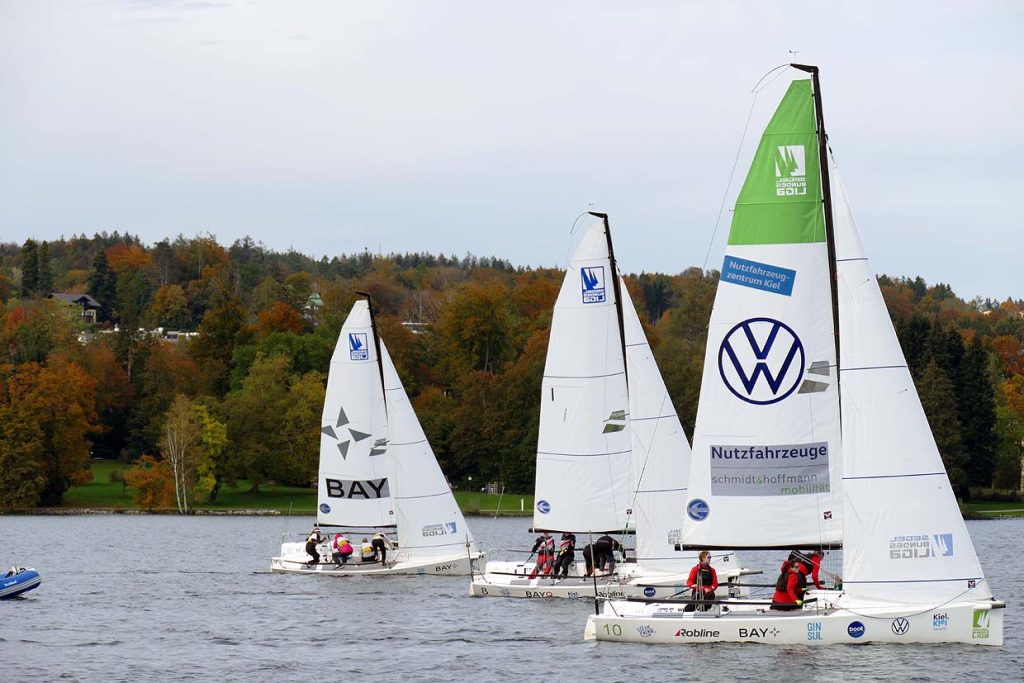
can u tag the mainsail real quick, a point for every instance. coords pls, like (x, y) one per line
(583, 448)
(766, 443)
(354, 487)
(903, 536)
(430, 523)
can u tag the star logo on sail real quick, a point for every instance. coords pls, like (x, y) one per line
(761, 361)
(333, 431)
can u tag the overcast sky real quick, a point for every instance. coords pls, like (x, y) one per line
(488, 127)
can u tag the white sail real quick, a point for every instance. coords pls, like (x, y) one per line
(766, 443)
(904, 538)
(583, 448)
(660, 455)
(354, 486)
(430, 523)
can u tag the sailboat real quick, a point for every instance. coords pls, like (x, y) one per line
(612, 456)
(810, 432)
(377, 470)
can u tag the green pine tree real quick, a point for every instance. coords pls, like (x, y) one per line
(938, 398)
(977, 412)
(44, 282)
(29, 268)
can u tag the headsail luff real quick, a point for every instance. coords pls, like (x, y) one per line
(904, 538)
(430, 523)
(660, 455)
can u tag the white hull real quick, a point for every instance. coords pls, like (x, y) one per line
(625, 584)
(292, 562)
(976, 623)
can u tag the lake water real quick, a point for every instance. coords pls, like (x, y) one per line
(154, 598)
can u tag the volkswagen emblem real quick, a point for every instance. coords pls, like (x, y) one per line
(761, 361)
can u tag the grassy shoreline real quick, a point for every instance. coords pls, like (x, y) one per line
(102, 496)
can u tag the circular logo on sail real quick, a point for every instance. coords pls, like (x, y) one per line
(855, 629)
(325, 508)
(698, 509)
(650, 591)
(543, 507)
(761, 361)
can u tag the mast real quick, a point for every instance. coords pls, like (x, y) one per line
(826, 196)
(618, 292)
(376, 346)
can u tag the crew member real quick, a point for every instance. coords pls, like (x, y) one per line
(544, 546)
(342, 550)
(566, 554)
(789, 589)
(810, 564)
(604, 553)
(702, 582)
(366, 553)
(314, 539)
(381, 544)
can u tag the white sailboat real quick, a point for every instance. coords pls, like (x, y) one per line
(611, 455)
(796, 450)
(377, 470)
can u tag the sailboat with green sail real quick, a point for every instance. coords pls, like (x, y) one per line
(810, 433)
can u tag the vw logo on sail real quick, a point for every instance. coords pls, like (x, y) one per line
(761, 361)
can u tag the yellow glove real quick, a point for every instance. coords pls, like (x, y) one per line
(799, 602)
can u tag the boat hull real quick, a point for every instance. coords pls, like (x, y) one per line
(978, 623)
(631, 585)
(292, 562)
(19, 583)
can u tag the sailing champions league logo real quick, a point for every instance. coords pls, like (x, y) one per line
(443, 529)
(790, 171)
(761, 361)
(543, 507)
(357, 346)
(593, 284)
(920, 546)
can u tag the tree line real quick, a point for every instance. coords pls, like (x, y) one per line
(241, 400)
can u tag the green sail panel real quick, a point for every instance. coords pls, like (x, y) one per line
(780, 202)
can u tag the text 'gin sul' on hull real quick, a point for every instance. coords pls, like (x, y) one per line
(378, 475)
(810, 433)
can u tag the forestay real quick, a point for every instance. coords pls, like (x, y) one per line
(766, 443)
(354, 486)
(430, 523)
(904, 537)
(583, 447)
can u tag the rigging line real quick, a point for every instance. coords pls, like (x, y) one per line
(781, 69)
(494, 519)
(568, 249)
(913, 614)
(728, 185)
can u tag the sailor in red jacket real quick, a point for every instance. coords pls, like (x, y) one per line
(702, 582)
(810, 565)
(789, 589)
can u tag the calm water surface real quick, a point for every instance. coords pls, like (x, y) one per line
(158, 598)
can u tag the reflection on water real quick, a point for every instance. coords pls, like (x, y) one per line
(172, 598)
